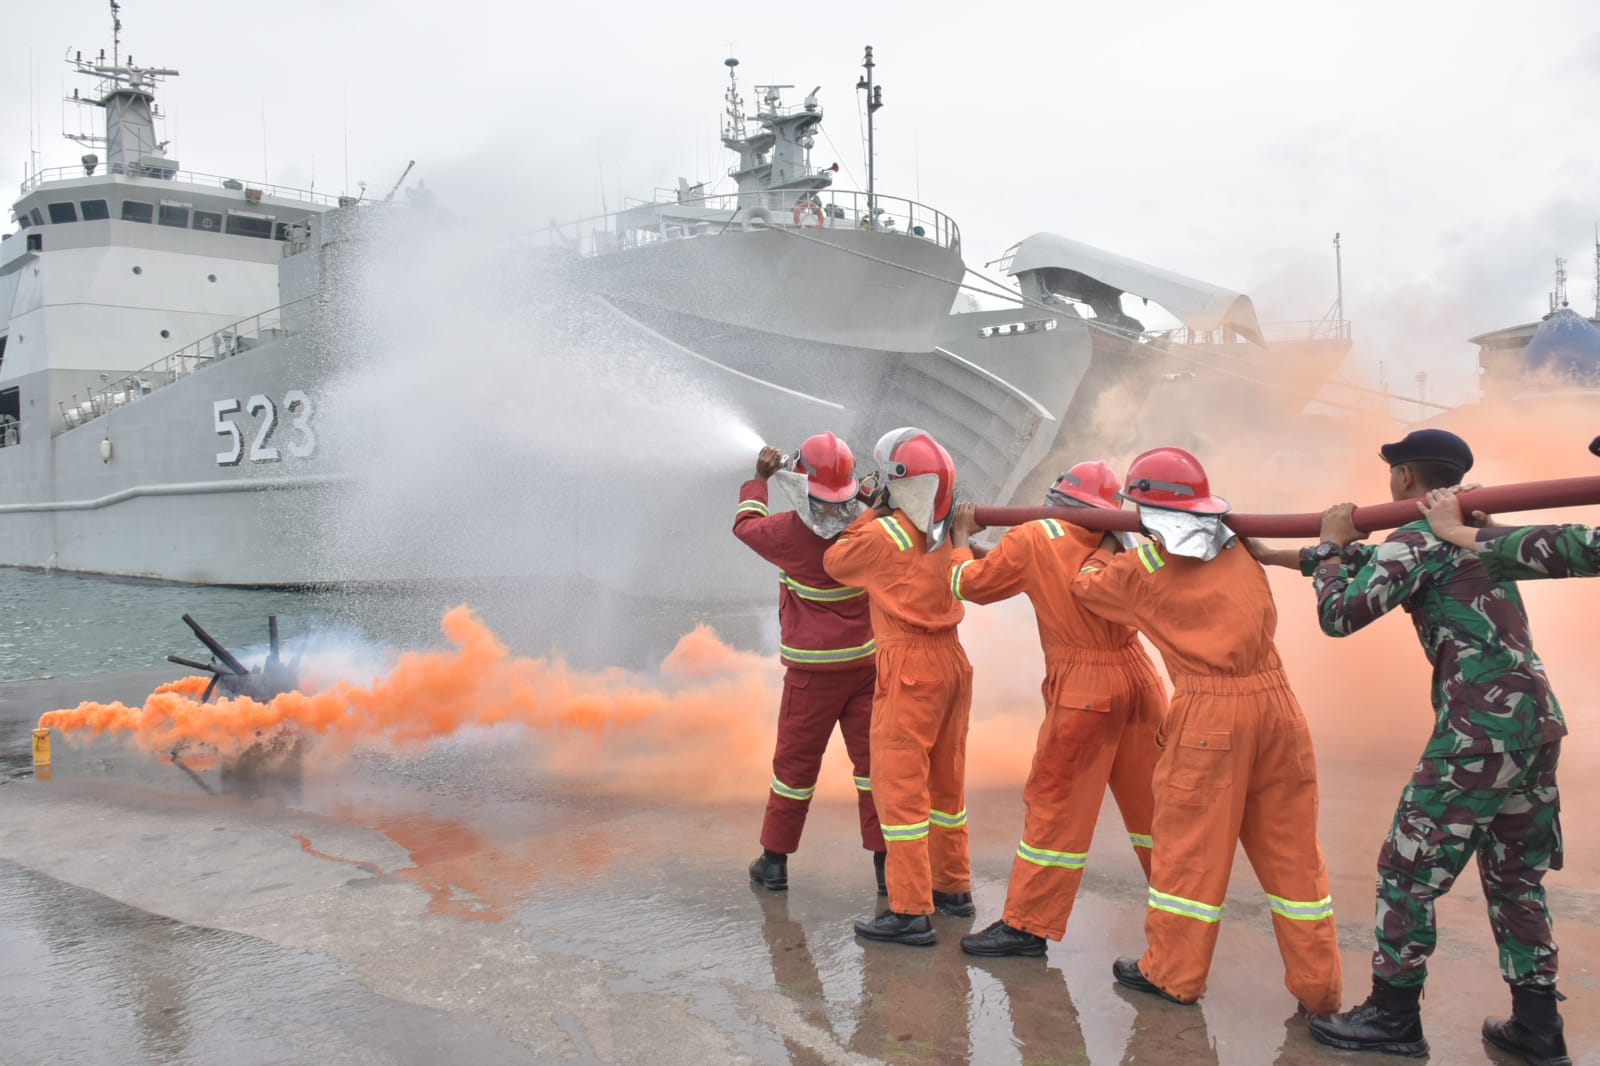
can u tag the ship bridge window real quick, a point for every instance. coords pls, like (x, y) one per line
(211, 221)
(249, 225)
(174, 215)
(94, 210)
(137, 211)
(67, 212)
(38, 219)
(23, 222)
(10, 417)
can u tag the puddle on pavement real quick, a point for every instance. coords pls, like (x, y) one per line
(87, 980)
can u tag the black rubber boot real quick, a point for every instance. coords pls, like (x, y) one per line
(1389, 1021)
(1533, 1031)
(956, 904)
(1000, 940)
(879, 858)
(771, 871)
(892, 928)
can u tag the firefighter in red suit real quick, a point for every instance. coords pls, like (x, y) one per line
(825, 641)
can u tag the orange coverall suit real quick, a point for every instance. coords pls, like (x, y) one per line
(920, 707)
(1237, 766)
(1103, 705)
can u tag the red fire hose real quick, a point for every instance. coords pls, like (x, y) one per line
(1497, 499)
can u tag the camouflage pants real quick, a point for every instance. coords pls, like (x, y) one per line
(1504, 809)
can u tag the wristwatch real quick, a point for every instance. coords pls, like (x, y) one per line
(1327, 550)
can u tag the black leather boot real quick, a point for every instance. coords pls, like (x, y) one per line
(879, 858)
(1000, 940)
(956, 904)
(1534, 1029)
(892, 928)
(1128, 974)
(1389, 1021)
(771, 871)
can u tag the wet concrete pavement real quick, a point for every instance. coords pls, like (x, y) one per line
(449, 907)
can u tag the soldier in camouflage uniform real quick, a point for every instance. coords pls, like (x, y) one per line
(1485, 786)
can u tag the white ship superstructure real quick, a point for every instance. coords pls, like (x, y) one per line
(127, 275)
(202, 381)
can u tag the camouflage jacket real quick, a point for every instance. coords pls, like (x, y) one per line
(1532, 552)
(1490, 693)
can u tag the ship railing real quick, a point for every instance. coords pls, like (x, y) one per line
(799, 210)
(1272, 332)
(249, 190)
(232, 339)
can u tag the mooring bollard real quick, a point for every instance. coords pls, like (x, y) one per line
(41, 755)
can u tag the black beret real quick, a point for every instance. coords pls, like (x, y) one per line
(1429, 446)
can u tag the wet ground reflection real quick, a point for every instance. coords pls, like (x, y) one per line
(649, 900)
(85, 979)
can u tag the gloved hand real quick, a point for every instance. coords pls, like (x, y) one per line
(767, 462)
(880, 502)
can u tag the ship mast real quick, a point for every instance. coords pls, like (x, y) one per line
(874, 101)
(1338, 274)
(127, 95)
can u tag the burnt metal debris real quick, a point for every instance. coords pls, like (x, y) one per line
(272, 759)
(273, 678)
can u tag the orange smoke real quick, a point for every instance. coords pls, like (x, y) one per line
(702, 730)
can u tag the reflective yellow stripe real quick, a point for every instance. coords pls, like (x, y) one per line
(1067, 860)
(810, 592)
(829, 655)
(1141, 840)
(1089, 569)
(1052, 527)
(753, 506)
(1301, 910)
(1184, 908)
(788, 792)
(946, 820)
(863, 784)
(1150, 557)
(914, 831)
(897, 533)
(955, 577)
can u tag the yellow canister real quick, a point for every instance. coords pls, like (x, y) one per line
(41, 747)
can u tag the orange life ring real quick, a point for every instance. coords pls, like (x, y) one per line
(811, 204)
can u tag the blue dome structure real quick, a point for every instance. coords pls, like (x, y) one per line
(1564, 343)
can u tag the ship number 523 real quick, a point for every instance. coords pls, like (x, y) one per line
(296, 416)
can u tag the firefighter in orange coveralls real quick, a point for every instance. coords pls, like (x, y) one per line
(1238, 764)
(1103, 705)
(825, 640)
(899, 553)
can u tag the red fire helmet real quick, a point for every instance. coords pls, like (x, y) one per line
(1174, 479)
(829, 467)
(1092, 483)
(911, 452)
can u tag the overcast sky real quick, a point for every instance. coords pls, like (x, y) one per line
(1455, 145)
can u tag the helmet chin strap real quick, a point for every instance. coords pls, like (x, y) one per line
(915, 496)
